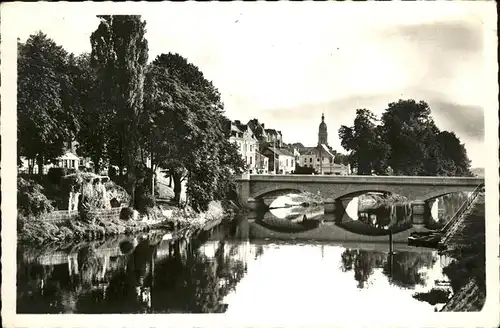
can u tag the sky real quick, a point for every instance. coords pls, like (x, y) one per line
(286, 64)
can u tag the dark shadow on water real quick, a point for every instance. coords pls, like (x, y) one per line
(169, 277)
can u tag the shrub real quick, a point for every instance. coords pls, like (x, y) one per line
(112, 172)
(55, 174)
(86, 212)
(127, 214)
(145, 201)
(31, 201)
(117, 192)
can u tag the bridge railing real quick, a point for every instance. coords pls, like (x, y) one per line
(455, 218)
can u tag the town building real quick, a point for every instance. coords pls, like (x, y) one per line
(68, 160)
(247, 144)
(265, 137)
(262, 161)
(322, 157)
(281, 160)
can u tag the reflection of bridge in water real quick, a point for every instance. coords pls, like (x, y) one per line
(326, 231)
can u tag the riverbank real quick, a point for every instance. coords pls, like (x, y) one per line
(467, 273)
(39, 196)
(167, 219)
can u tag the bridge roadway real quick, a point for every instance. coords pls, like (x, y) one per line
(255, 187)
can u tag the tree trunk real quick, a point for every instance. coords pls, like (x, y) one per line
(97, 167)
(31, 164)
(40, 164)
(133, 159)
(177, 187)
(153, 175)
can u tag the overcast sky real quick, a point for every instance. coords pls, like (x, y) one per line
(285, 64)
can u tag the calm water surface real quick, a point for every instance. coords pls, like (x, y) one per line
(235, 268)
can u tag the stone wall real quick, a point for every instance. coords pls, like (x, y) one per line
(64, 215)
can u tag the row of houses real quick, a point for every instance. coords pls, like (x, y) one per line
(264, 151)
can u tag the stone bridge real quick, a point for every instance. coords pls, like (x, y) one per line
(418, 189)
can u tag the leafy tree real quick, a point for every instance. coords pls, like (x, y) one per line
(368, 149)
(408, 128)
(45, 115)
(93, 116)
(406, 142)
(186, 130)
(341, 159)
(453, 155)
(120, 53)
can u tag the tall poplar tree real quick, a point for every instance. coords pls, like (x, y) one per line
(120, 54)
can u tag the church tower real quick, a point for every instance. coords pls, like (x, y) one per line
(322, 132)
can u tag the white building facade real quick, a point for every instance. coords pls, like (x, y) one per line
(247, 144)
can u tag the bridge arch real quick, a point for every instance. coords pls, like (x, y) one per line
(273, 192)
(449, 190)
(335, 192)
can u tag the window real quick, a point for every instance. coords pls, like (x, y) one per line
(318, 159)
(310, 160)
(81, 162)
(287, 162)
(250, 159)
(292, 162)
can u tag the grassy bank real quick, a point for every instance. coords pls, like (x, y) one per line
(37, 198)
(467, 272)
(34, 231)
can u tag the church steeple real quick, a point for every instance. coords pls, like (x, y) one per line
(322, 132)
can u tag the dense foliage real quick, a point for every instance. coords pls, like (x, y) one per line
(120, 54)
(31, 199)
(404, 141)
(186, 131)
(46, 117)
(122, 111)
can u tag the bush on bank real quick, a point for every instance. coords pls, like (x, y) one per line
(31, 200)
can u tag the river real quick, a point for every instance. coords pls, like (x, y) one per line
(283, 262)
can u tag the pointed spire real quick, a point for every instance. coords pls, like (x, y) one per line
(323, 117)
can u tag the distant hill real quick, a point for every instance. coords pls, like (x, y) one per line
(478, 171)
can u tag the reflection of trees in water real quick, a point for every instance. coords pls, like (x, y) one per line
(34, 284)
(449, 204)
(197, 284)
(129, 288)
(403, 268)
(362, 262)
(186, 281)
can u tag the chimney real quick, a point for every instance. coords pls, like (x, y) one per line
(263, 126)
(237, 122)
